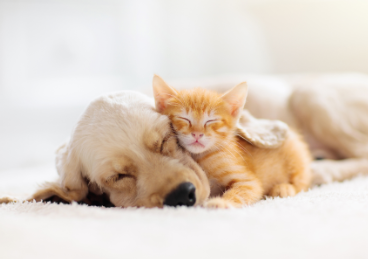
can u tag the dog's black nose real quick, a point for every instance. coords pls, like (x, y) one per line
(184, 194)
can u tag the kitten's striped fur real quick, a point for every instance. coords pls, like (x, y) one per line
(205, 124)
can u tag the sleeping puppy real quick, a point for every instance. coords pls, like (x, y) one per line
(123, 148)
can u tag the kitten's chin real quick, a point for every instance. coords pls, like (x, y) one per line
(195, 149)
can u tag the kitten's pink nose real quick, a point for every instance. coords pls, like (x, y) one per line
(197, 135)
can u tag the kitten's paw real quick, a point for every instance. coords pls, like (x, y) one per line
(283, 190)
(218, 203)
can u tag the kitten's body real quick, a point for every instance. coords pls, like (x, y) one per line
(275, 172)
(205, 123)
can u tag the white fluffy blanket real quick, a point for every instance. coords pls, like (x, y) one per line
(326, 222)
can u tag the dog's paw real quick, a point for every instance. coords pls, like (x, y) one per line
(283, 190)
(218, 203)
(7, 200)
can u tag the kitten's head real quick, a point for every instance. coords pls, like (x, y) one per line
(201, 118)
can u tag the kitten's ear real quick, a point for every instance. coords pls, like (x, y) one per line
(261, 133)
(162, 93)
(236, 97)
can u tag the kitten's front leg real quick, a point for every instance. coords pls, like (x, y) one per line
(283, 190)
(219, 203)
(239, 193)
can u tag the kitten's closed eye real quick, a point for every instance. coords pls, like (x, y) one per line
(186, 120)
(210, 122)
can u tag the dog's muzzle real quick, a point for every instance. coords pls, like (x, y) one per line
(183, 195)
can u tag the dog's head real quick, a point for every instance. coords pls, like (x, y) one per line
(128, 150)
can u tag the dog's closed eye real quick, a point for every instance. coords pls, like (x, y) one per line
(122, 176)
(117, 177)
(120, 181)
(128, 172)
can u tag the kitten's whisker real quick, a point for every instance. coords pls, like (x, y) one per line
(238, 135)
(222, 148)
(245, 150)
(245, 140)
(229, 151)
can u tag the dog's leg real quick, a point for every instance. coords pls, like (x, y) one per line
(326, 171)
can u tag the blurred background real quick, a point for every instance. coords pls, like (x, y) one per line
(57, 55)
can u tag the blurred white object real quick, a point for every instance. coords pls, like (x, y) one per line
(55, 48)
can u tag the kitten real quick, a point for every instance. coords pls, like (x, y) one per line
(205, 124)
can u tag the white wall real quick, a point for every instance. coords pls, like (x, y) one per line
(56, 55)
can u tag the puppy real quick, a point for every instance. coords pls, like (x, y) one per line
(123, 148)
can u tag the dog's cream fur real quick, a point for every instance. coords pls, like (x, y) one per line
(122, 147)
(331, 111)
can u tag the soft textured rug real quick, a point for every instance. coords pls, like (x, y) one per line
(330, 221)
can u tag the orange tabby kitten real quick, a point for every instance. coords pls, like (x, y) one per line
(205, 124)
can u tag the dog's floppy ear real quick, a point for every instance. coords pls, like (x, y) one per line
(261, 133)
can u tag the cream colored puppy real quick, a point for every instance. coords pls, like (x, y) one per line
(122, 147)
